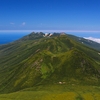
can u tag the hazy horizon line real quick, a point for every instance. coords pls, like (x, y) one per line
(48, 31)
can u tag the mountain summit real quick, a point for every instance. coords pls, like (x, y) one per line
(42, 59)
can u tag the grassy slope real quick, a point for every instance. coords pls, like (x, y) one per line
(86, 42)
(27, 63)
(55, 92)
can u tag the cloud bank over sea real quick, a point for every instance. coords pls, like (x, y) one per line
(93, 39)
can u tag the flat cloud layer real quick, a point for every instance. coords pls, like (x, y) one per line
(93, 39)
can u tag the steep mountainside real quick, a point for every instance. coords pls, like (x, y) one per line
(86, 42)
(39, 59)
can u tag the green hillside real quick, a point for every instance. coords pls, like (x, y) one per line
(86, 42)
(38, 60)
(55, 92)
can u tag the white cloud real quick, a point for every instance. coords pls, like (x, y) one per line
(23, 24)
(93, 39)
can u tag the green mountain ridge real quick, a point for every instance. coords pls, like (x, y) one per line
(86, 42)
(38, 60)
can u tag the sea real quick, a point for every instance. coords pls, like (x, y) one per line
(7, 37)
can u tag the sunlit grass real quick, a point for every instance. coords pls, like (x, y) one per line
(55, 92)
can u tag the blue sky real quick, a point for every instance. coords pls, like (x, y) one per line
(72, 15)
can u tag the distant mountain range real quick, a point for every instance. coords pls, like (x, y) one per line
(45, 59)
